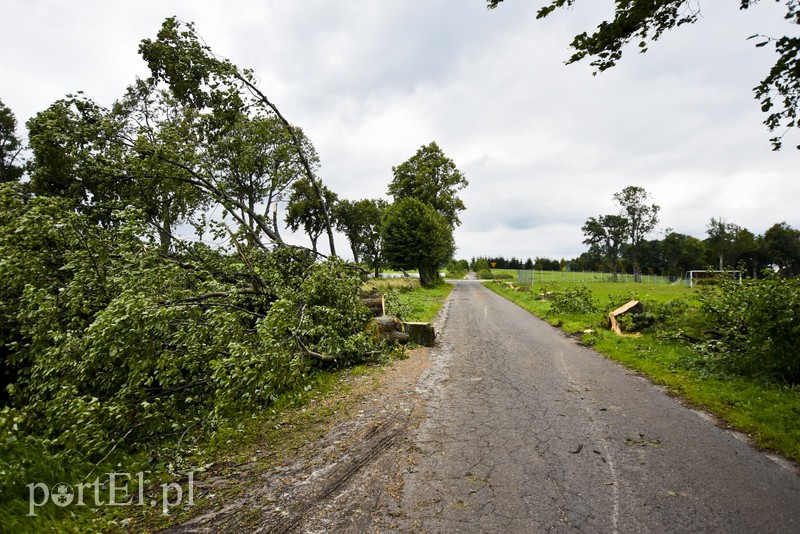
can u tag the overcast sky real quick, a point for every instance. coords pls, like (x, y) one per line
(543, 145)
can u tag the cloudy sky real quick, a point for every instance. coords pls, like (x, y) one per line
(543, 145)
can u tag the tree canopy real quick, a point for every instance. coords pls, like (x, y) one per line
(415, 235)
(608, 233)
(641, 220)
(306, 211)
(642, 22)
(360, 221)
(202, 80)
(433, 178)
(122, 336)
(10, 146)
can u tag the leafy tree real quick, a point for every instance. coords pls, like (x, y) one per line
(608, 232)
(10, 146)
(719, 239)
(304, 210)
(117, 337)
(480, 265)
(782, 243)
(255, 163)
(107, 344)
(651, 256)
(152, 151)
(644, 21)
(755, 328)
(153, 132)
(103, 159)
(642, 219)
(432, 178)
(69, 141)
(415, 235)
(683, 253)
(730, 242)
(220, 90)
(360, 221)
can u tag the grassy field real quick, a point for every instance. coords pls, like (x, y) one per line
(587, 277)
(768, 413)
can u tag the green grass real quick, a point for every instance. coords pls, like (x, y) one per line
(425, 303)
(768, 413)
(419, 304)
(577, 277)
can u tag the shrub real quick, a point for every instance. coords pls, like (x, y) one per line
(753, 327)
(572, 299)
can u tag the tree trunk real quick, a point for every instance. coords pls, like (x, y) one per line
(420, 333)
(387, 327)
(374, 301)
(428, 276)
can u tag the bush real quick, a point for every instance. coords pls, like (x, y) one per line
(753, 327)
(572, 299)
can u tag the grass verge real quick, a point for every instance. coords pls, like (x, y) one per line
(234, 456)
(768, 413)
(414, 303)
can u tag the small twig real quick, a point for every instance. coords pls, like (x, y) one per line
(109, 453)
(178, 447)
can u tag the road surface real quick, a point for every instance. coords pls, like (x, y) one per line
(527, 431)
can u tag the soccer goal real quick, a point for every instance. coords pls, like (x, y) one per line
(696, 276)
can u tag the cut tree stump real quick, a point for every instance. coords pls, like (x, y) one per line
(421, 333)
(391, 328)
(387, 327)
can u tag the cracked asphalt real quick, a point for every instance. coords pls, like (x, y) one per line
(527, 431)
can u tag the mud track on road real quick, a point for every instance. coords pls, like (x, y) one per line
(349, 480)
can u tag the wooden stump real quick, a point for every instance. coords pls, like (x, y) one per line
(391, 328)
(421, 333)
(387, 327)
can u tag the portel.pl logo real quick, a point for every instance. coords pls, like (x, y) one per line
(113, 493)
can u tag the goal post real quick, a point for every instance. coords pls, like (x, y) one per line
(696, 275)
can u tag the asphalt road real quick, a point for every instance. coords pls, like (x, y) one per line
(527, 431)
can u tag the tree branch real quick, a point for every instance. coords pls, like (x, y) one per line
(255, 91)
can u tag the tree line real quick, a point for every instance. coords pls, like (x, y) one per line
(726, 246)
(481, 263)
(618, 244)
